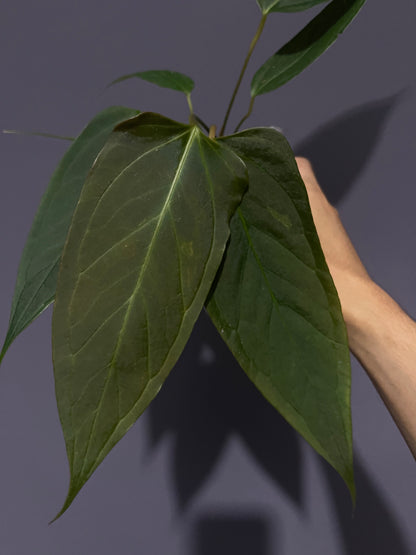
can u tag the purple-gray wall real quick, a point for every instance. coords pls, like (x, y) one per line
(210, 469)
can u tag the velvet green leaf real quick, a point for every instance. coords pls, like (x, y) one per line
(306, 46)
(38, 269)
(268, 6)
(163, 78)
(145, 243)
(276, 306)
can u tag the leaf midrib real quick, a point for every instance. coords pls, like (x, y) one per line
(120, 175)
(164, 210)
(149, 382)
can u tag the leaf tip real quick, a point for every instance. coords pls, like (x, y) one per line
(350, 481)
(72, 493)
(7, 342)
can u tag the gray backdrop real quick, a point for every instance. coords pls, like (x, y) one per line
(210, 469)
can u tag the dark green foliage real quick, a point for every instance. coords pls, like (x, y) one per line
(147, 220)
(306, 46)
(276, 306)
(145, 243)
(163, 78)
(38, 269)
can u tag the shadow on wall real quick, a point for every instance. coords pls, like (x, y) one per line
(208, 398)
(226, 534)
(373, 529)
(340, 149)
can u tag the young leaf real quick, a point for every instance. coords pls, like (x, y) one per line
(306, 46)
(268, 6)
(295, 5)
(275, 304)
(38, 269)
(163, 78)
(145, 243)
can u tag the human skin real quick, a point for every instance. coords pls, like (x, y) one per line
(381, 335)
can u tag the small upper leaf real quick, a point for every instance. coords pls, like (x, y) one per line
(276, 305)
(163, 78)
(295, 5)
(306, 46)
(145, 243)
(268, 6)
(38, 269)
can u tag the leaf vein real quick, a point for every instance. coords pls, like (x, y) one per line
(142, 272)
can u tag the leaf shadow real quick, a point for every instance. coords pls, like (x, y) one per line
(219, 533)
(195, 408)
(373, 528)
(208, 399)
(340, 149)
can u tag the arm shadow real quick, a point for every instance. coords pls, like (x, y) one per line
(340, 149)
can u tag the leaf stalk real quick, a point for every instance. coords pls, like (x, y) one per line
(243, 70)
(189, 101)
(249, 112)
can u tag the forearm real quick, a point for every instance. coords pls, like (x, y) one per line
(381, 335)
(383, 338)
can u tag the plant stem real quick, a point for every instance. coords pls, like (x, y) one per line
(250, 109)
(243, 70)
(188, 99)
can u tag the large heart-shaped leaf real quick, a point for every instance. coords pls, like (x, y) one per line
(163, 78)
(38, 269)
(268, 6)
(306, 46)
(144, 246)
(275, 304)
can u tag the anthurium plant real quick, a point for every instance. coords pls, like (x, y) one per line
(146, 221)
